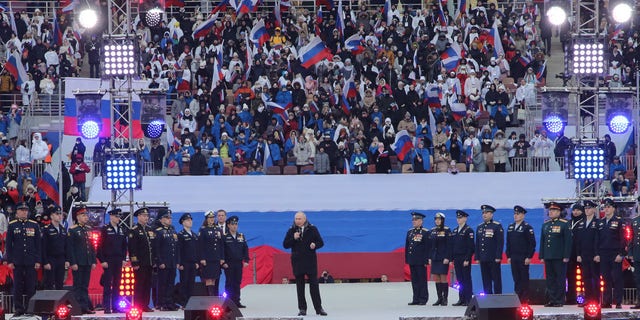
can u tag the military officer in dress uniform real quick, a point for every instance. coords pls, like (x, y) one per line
(634, 256)
(55, 259)
(221, 223)
(587, 249)
(189, 257)
(577, 216)
(23, 255)
(211, 252)
(82, 258)
(166, 252)
(112, 251)
(489, 246)
(521, 245)
(612, 246)
(416, 255)
(141, 238)
(555, 249)
(236, 256)
(463, 248)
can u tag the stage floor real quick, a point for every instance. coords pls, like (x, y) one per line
(354, 301)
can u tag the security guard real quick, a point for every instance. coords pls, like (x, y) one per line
(141, 238)
(489, 246)
(111, 253)
(189, 256)
(54, 251)
(611, 250)
(521, 245)
(463, 248)
(211, 252)
(634, 255)
(416, 255)
(587, 249)
(82, 258)
(555, 249)
(167, 252)
(23, 255)
(236, 256)
(577, 216)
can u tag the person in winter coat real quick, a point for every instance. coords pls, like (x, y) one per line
(23, 155)
(321, 163)
(422, 159)
(381, 156)
(39, 149)
(359, 160)
(78, 148)
(542, 151)
(302, 152)
(79, 170)
(442, 159)
(198, 166)
(500, 148)
(215, 165)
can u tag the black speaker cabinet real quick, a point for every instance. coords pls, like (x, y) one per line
(537, 291)
(493, 306)
(197, 308)
(47, 301)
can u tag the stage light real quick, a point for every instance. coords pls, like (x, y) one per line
(154, 110)
(90, 129)
(153, 17)
(134, 314)
(588, 58)
(554, 124)
(525, 312)
(122, 172)
(119, 59)
(556, 15)
(621, 12)
(618, 121)
(63, 312)
(127, 283)
(216, 312)
(154, 130)
(592, 311)
(580, 300)
(123, 304)
(587, 162)
(95, 239)
(88, 18)
(628, 233)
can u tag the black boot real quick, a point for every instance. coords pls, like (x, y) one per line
(439, 293)
(445, 294)
(210, 290)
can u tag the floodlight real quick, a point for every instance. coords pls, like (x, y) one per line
(556, 15)
(588, 58)
(119, 59)
(621, 12)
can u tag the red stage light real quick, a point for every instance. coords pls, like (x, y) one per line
(215, 312)
(134, 314)
(95, 239)
(525, 312)
(592, 311)
(62, 312)
(628, 234)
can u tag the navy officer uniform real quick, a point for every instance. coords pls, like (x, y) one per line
(111, 253)
(189, 257)
(489, 246)
(416, 254)
(141, 238)
(54, 253)
(23, 254)
(521, 245)
(634, 255)
(586, 238)
(555, 250)
(82, 259)
(612, 249)
(236, 254)
(167, 254)
(211, 242)
(462, 251)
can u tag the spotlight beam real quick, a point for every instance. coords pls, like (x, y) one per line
(556, 15)
(621, 12)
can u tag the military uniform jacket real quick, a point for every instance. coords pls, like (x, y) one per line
(634, 244)
(189, 247)
(586, 238)
(417, 247)
(235, 248)
(489, 241)
(555, 240)
(81, 251)
(521, 241)
(24, 243)
(166, 247)
(113, 243)
(440, 242)
(303, 258)
(54, 243)
(573, 225)
(211, 244)
(463, 244)
(611, 236)
(140, 245)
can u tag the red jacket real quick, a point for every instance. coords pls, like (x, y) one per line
(79, 171)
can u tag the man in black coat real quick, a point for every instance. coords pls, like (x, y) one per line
(304, 239)
(199, 163)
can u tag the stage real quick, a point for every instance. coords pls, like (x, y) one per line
(370, 301)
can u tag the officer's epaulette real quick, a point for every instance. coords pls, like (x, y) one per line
(562, 220)
(446, 228)
(12, 221)
(159, 228)
(547, 220)
(424, 229)
(134, 227)
(74, 226)
(495, 222)
(32, 221)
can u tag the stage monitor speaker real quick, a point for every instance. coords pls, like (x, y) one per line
(47, 301)
(493, 306)
(198, 307)
(537, 291)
